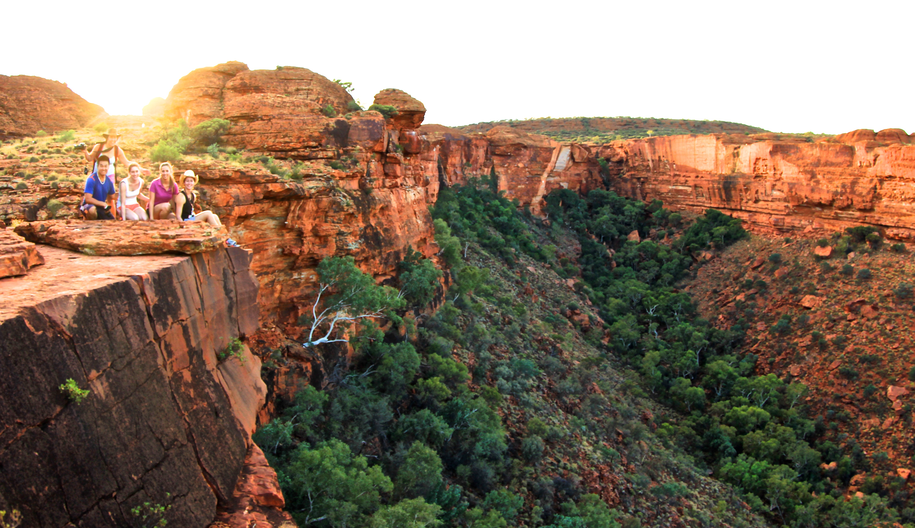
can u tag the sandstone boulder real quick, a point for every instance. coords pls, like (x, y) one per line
(411, 112)
(894, 392)
(892, 135)
(862, 134)
(811, 301)
(126, 238)
(29, 104)
(293, 112)
(823, 251)
(903, 473)
(17, 255)
(198, 96)
(634, 237)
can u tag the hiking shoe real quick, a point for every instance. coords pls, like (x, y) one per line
(231, 243)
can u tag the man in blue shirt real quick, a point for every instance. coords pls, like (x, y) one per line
(99, 190)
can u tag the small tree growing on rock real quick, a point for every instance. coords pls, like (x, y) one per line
(345, 295)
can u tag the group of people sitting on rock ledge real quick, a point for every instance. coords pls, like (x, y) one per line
(106, 199)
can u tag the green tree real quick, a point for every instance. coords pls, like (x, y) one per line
(505, 502)
(329, 484)
(346, 294)
(419, 281)
(420, 472)
(450, 244)
(408, 513)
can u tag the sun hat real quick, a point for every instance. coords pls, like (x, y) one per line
(111, 132)
(190, 174)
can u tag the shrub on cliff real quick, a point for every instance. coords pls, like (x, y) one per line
(329, 111)
(209, 132)
(165, 151)
(387, 111)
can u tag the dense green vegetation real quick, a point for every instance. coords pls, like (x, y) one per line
(494, 411)
(175, 141)
(749, 429)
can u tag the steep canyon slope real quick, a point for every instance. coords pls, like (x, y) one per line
(164, 420)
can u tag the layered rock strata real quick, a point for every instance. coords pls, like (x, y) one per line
(779, 185)
(17, 255)
(29, 104)
(93, 237)
(165, 421)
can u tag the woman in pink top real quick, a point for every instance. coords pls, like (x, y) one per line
(162, 194)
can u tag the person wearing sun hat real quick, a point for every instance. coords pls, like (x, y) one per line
(109, 148)
(187, 199)
(113, 152)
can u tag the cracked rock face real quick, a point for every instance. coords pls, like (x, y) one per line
(159, 423)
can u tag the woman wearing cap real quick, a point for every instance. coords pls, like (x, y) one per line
(187, 199)
(162, 192)
(130, 189)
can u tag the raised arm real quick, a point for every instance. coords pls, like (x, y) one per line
(122, 158)
(92, 155)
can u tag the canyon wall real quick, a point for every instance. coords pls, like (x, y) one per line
(165, 420)
(777, 185)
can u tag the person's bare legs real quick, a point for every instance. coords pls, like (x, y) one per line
(139, 214)
(210, 217)
(162, 211)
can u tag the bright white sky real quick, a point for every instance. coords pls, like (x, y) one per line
(787, 66)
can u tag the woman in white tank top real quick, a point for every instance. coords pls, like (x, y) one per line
(131, 188)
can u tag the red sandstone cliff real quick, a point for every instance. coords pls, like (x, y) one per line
(29, 104)
(777, 184)
(164, 415)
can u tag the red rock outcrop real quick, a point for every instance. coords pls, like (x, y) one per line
(892, 135)
(158, 425)
(257, 499)
(292, 225)
(126, 238)
(410, 112)
(778, 185)
(29, 104)
(17, 255)
(198, 96)
(862, 134)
